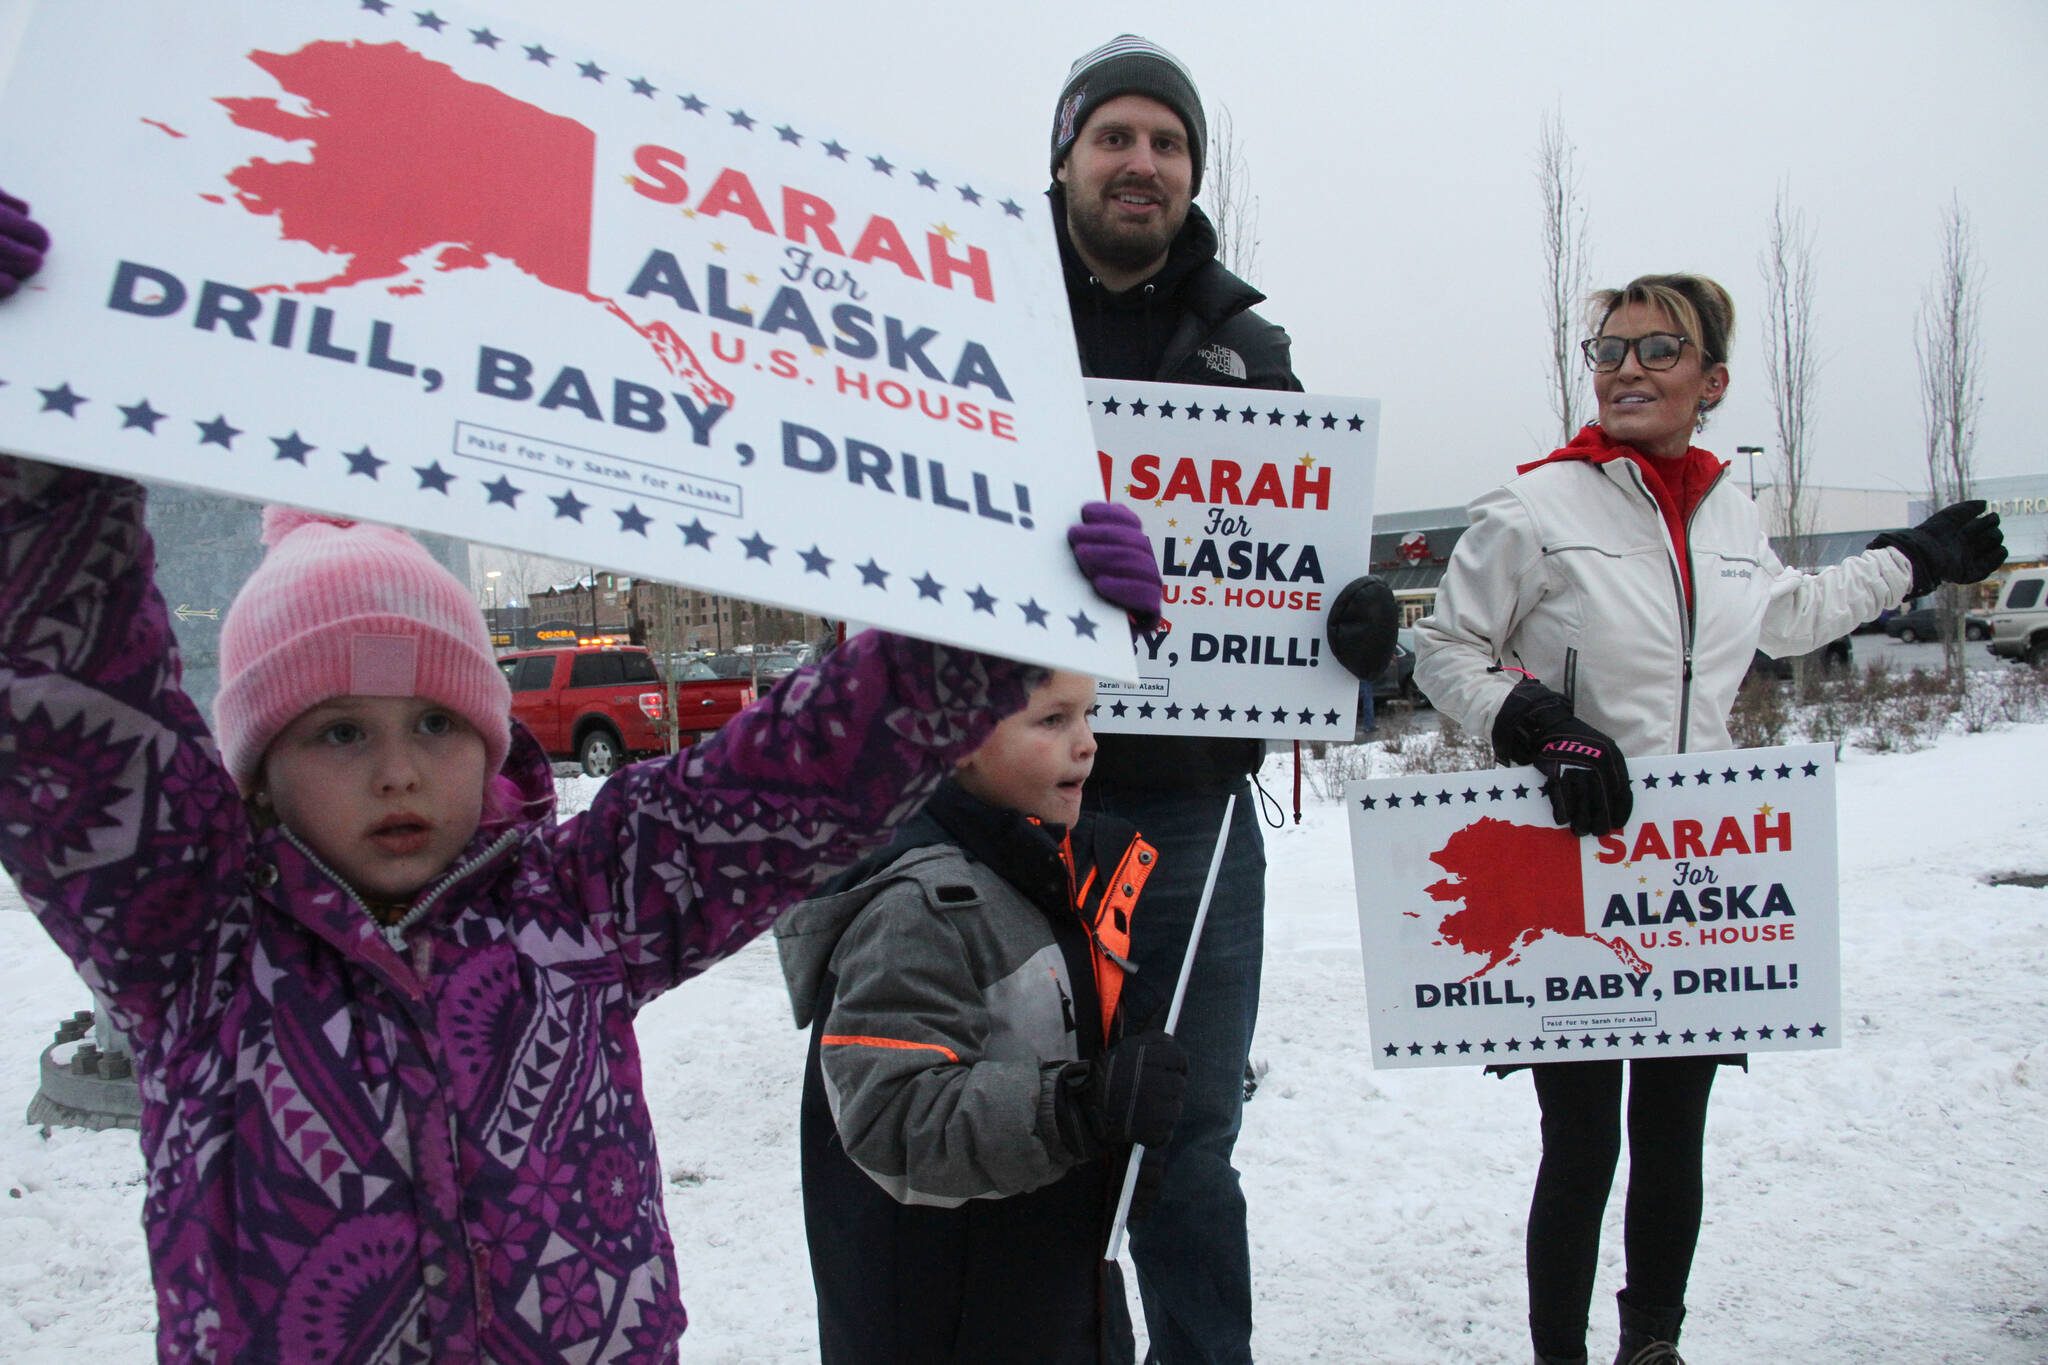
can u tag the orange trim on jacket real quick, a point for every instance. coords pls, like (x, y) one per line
(1109, 924)
(862, 1040)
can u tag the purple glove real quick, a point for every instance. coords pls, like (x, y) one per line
(22, 244)
(1110, 545)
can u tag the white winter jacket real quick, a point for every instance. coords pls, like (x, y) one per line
(1569, 572)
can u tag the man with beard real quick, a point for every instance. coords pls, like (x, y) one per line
(1150, 301)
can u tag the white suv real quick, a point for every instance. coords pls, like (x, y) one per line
(2019, 623)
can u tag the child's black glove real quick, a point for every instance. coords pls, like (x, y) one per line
(1588, 776)
(1131, 1093)
(1959, 544)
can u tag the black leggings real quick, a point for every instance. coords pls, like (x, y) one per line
(1667, 1119)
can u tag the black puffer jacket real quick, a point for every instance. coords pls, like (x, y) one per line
(955, 1223)
(1191, 323)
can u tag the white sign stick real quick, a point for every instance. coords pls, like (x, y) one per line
(1180, 990)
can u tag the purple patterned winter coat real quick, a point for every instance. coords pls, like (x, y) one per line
(438, 1152)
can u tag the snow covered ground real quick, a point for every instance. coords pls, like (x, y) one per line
(1878, 1205)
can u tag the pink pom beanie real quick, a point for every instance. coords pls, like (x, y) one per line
(341, 608)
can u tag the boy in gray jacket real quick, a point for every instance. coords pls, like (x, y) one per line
(971, 1085)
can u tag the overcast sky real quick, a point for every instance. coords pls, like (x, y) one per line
(1392, 149)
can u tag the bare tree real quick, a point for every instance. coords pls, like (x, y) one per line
(1232, 206)
(1950, 392)
(520, 574)
(1790, 367)
(1565, 273)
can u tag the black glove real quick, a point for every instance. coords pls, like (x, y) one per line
(1589, 788)
(22, 244)
(1131, 1093)
(1361, 624)
(1959, 544)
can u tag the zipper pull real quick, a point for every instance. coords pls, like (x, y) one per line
(1688, 665)
(394, 936)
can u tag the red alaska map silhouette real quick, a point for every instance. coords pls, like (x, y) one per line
(1518, 882)
(407, 156)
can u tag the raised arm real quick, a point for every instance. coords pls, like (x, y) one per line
(698, 853)
(116, 820)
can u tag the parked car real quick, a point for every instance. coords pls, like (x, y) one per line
(1396, 681)
(1835, 657)
(601, 705)
(2019, 622)
(770, 669)
(1921, 624)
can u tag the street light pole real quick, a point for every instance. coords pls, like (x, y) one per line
(1752, 452)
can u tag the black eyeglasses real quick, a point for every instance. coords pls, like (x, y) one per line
(1654, 351)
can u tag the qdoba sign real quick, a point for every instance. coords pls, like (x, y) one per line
(1706, 926)
(427, 267)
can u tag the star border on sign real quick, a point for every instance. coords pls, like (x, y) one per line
(364, 462)
(140, 415)
(218, 433)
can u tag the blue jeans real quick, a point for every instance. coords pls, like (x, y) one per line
(1193, 1261)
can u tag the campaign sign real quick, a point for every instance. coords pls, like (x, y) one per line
(1260, 506)
(1707, 925)
(424, 266)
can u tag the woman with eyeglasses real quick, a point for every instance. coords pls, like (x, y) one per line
(1605, 603)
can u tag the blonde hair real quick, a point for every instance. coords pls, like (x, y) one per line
(1700, 307)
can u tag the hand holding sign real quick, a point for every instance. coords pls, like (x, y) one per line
(1109, 544)
(22, 244)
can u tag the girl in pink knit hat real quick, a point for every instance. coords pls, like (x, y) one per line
(380, 1000)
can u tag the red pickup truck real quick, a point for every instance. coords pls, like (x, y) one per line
(602, 704)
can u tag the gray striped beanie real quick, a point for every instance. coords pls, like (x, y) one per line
(1130, 65)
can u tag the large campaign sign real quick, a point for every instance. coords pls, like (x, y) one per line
(423, 266)
(1705, 926)
(1259, 504)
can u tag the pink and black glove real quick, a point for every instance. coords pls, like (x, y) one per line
(1110, 545)
(22, 244)
(1589, 788)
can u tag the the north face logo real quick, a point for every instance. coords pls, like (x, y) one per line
(1223, 360)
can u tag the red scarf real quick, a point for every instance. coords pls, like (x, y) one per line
(1677, 483)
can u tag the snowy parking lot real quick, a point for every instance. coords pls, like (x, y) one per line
(1878, 1205)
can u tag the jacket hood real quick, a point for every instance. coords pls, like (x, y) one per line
(806, 937)
(524, 790)
(1022, 851)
